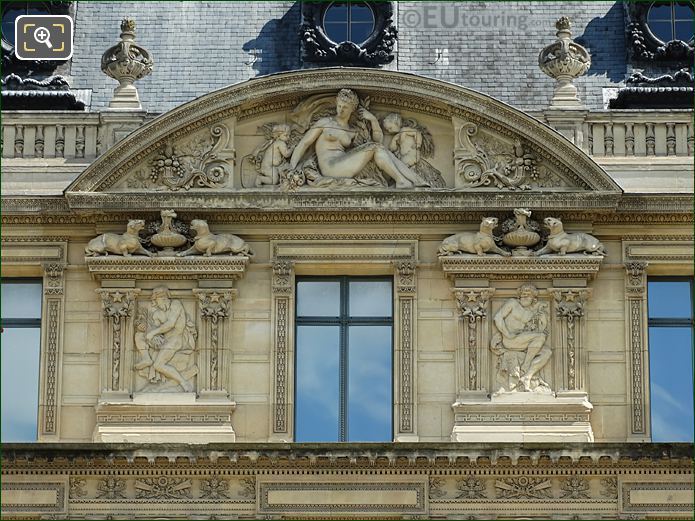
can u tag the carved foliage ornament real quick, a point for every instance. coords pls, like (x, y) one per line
(377, 49)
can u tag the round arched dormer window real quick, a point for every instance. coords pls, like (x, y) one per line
(670, 21)
(11, 11)
(348, 32)
(348, 22)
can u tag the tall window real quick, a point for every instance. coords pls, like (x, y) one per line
(670, 302)
(344, 360)
(20, 347)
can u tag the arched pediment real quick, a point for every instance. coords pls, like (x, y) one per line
(403, 139)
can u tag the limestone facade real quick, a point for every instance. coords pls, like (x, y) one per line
(169, 250)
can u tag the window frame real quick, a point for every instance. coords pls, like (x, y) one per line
(666, 322)
(30, 323)
(344, 321)
(349, 4)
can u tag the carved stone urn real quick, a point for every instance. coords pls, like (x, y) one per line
(166, 238)
(520, 233)
(564, 61)
(126, 62)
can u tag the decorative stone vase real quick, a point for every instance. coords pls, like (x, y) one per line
(564, 61)
(126, 62)
(167, 238)
(520, 234)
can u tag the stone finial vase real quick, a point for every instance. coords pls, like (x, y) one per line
(126, 62)
(564, 61)
(167, 238)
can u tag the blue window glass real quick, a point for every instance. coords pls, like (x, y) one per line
(348, 21)
(11, 11)
(343, 376)
(670, 308)
(19, 355)
(671, 21)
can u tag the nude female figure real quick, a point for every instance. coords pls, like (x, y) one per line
(332, 138)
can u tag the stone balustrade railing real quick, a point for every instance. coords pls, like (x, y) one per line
(639, 133)
(74, 136)
(83, 136)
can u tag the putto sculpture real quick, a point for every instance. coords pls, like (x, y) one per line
(126, 244)
(520, 343)
(479, 243)
(340, 143)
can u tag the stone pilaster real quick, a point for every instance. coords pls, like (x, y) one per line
(569, 349)
(51, 349)
(472, 359)
(118, 305)
(405, 351)
(214, 306)
(282, 355)
(637, 334)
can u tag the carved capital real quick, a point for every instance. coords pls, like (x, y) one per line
(53, 278)
(472, 302)
(282, 276)
(636, 282)
(214, 304)
(117, 303)
(569, 303)
(405, 281)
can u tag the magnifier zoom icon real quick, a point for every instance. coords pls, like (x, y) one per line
(43, 35)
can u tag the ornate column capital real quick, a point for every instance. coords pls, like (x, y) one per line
(282, 276)
(53, 278)
(569, 303)
(405, 280)
(117, 303)
(473, 302)
(636, 282)
(214, 303)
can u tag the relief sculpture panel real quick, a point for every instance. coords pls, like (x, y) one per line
(165, 341)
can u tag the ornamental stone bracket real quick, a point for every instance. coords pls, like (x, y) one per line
(529, 386)
(354, 255)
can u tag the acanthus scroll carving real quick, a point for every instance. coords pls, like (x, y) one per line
(405, 281)
(165, 340)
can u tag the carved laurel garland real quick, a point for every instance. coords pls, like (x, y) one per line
(406, 291)
(282, 291)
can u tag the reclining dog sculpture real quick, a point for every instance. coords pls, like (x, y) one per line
(208, 244)
(125, 244)
(561, 242)
(480, 243)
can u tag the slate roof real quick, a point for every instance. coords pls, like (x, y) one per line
(202, 46)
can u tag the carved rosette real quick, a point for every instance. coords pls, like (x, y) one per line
(406, 293)
(215, 307)
(569, 309)
(472, 305)
(117, 308)
(636, 312)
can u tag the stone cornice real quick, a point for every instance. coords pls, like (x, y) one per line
(167, 268)
(445, 454)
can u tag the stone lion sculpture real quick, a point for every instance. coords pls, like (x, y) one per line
(208, 244)
(561, 242)
(125, 244)
(480, 243)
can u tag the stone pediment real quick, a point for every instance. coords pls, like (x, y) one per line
(335, 138)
